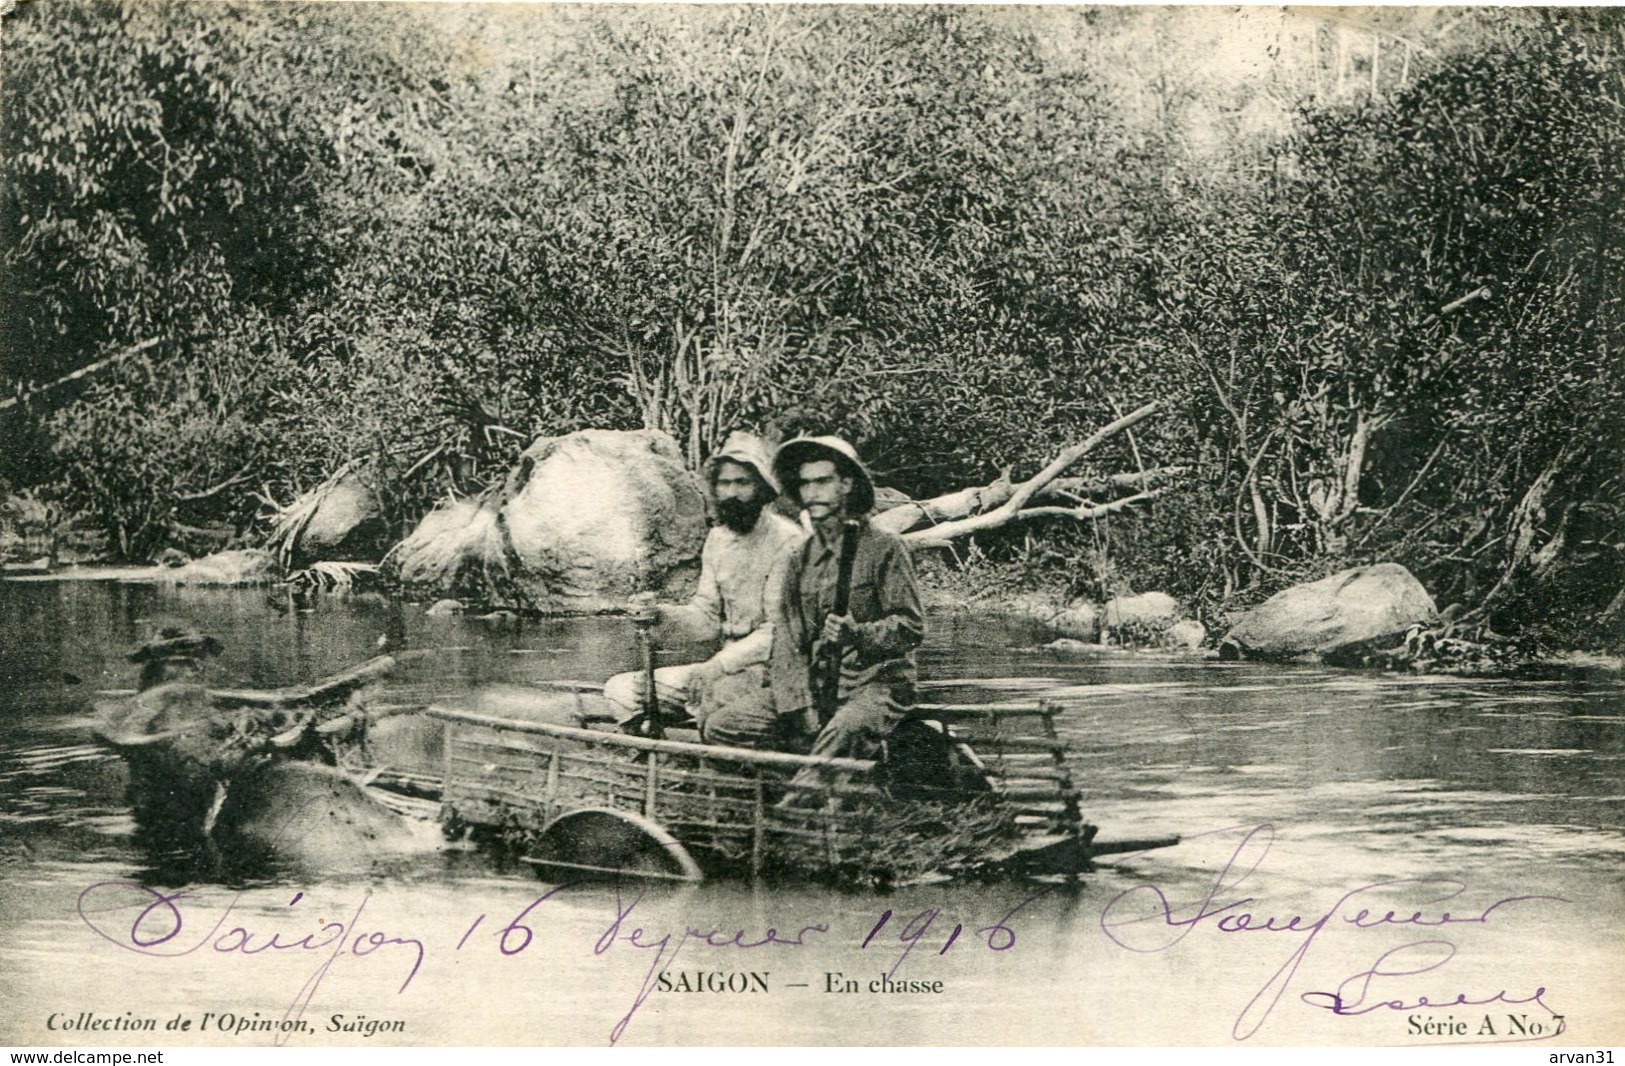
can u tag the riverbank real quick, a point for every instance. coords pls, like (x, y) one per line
(1068, 624)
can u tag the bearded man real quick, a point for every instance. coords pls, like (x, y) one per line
(741, 571)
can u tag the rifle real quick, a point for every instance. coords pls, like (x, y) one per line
(828, 697)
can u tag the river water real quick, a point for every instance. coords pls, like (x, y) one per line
(1485, 819)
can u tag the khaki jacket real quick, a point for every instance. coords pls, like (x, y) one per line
(884, 601)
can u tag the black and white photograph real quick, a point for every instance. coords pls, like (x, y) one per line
(799, 525)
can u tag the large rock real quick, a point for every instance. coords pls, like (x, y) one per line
(582, 523)
(1187, 634)
(1334, 617)
(1145, 615)
(1077, 621)
(346, 522)
(599, 515)
(249, 566)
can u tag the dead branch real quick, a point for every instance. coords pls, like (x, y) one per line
(923, 514)
(920, 514)
(214, 490)
(1098, 510)
(934, 538)
(1023, 494)
(1480, 293)
(1075, 488)
(91, 368)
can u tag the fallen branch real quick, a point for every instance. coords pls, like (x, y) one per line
(920, 514)
(1480, 293)
(214, 490)
(1023, 494)
(135, 349)
(924, 514)
(1094, 486)
(1099, 510)
(933, 538)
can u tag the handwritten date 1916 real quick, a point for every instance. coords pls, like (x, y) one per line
(998, 937)
(188, 924)
(1142, 919)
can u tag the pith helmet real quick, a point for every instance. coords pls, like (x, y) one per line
(746, 449)
(792, 454)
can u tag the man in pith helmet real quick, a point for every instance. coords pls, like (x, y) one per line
(741, 566)
(848, 675)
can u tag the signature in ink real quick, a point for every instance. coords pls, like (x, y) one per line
(1141, 919)
(181, 923)
(163, 924)
(1408, 960)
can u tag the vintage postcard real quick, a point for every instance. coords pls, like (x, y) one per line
(795, 525)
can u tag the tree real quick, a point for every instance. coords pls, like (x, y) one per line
(1420, 318)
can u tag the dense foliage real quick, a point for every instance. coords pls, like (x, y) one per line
(1378, 291)
(1419, 333)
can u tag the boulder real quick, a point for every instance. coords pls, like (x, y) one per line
(1077, 621)
(1187, 634)
(596, 516)
(582, 523)
(344, 522)
(172, 557)
(1333, 617)
(444, 607)
(1146, 614)
(248, 566)
(460, 547)
(1150, 619)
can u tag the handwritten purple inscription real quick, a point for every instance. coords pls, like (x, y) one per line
(1142, 919)
(176, 924)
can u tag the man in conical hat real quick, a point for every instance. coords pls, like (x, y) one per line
(849, 675)
(742, 560)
